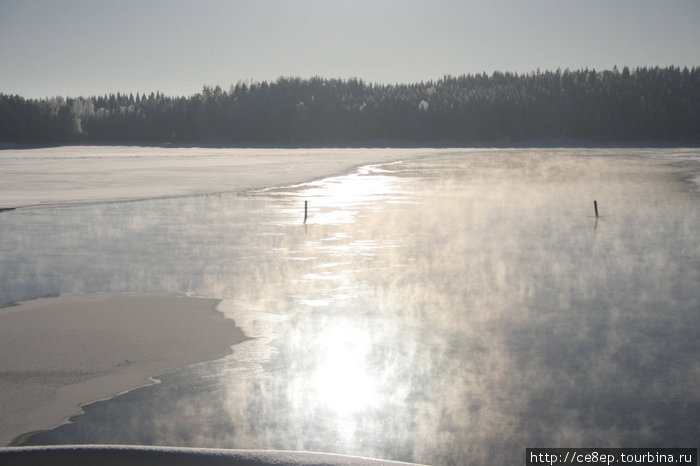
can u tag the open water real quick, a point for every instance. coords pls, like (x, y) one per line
(451, 310)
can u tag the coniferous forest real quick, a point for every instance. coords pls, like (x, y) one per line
(584, 106)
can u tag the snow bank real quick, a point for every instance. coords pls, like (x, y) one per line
(59, 353)
(106, 455)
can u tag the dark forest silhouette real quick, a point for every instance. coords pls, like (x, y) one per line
(644, 104)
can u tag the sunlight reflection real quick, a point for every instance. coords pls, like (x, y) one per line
(339, 200)
(342, 379)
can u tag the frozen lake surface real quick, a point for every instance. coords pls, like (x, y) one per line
(454, 308)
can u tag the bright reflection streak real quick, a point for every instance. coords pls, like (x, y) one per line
(339, 200)
(342, 379)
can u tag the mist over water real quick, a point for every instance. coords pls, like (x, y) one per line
(449, 310)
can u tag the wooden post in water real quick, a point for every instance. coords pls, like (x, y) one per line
(595, 206)
(306, 211)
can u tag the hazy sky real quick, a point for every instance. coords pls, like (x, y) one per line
(88, 47)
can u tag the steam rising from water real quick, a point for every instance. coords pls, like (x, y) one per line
(444, 310)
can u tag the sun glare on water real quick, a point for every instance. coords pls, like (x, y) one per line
(340, 200)
(342, 378)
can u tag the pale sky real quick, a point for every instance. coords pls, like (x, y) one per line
(92, 47)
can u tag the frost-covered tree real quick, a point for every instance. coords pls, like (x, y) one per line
(584, 105)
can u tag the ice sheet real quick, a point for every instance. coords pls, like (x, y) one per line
(83, 174)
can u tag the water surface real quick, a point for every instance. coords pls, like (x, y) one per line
(451, 310)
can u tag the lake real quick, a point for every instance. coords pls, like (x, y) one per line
(455, 308)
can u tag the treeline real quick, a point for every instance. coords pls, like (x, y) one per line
(644, 104)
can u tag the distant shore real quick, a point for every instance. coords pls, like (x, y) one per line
(59, 353)
(375, 144)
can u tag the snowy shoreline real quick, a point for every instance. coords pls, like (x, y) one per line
(63, 352)
(134, 455)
